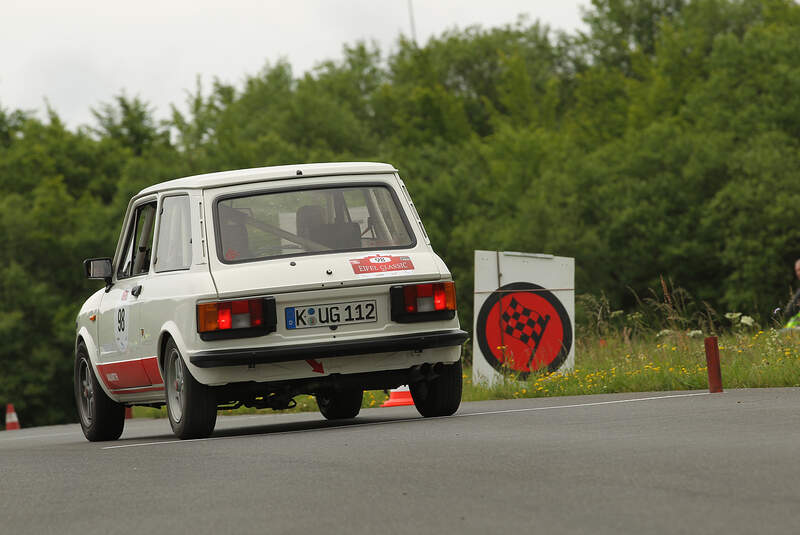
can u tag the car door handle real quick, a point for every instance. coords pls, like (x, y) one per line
(136, 290)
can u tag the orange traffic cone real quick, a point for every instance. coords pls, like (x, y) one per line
(128, 413)
(398, 397)
(12, 422)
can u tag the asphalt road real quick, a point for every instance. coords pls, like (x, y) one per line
(625, 463)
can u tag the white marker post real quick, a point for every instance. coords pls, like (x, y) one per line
(524, 315)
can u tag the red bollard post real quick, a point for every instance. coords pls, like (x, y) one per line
(712, 361)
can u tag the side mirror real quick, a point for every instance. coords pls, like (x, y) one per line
(98, 268)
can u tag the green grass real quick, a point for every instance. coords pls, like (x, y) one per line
(673, 361)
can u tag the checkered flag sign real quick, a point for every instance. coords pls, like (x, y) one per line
(524, 324)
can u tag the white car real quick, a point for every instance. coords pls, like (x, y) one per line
(251, 287)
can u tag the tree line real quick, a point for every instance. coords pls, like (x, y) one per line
(661, 142)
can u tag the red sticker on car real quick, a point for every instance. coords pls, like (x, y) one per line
(380, 264)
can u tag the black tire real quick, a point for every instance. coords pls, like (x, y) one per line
(440, 396)
(191, 406)
(340, 405)
(101, 417)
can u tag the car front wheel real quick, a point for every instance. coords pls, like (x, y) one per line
(101, 417)
(440, 396)
(191, 406)
(340, 405)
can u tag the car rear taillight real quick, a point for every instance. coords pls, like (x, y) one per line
(233, 319)
(423, 302)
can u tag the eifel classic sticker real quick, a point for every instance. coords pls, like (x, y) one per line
(379, 265)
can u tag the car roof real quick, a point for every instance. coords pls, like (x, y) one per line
(259, 174)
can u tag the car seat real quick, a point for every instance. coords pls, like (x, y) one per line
(234, 238)
(311, 224)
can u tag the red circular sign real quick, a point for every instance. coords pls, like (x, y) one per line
(524, 328)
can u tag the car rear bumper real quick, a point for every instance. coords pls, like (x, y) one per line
(345, 348)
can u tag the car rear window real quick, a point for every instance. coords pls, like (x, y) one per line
(308, 221)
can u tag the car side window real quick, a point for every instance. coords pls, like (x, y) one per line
(174, 235)
(138, 242)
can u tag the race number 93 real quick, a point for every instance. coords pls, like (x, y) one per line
(121, 328)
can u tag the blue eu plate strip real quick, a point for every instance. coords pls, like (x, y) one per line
(290, 321)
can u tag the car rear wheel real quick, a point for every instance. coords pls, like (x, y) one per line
(440, 396)
(340, 405)
(101, 417)
(191, 406)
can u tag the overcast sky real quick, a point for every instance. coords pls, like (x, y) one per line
(80, 53)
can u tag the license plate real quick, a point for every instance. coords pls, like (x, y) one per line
(331, 314)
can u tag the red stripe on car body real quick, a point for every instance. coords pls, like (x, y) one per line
(139, 390)
(130, 373)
